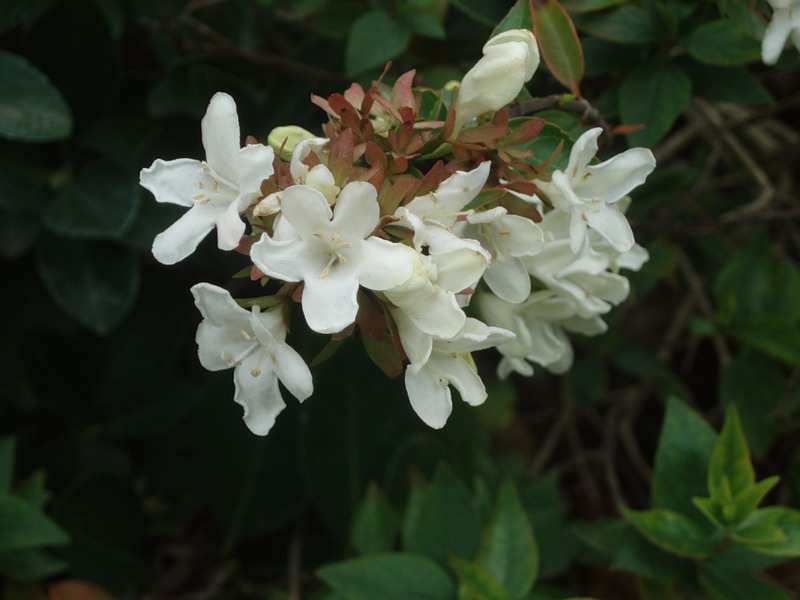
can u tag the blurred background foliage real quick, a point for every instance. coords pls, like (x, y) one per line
(126, 466)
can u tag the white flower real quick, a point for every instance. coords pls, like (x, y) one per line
(332, 252)
(507, 238)
(540, 325)
(217, 190)
(785, 22)
(252, 342)
(588, 192)
(509, 61)
(442, 363)
(428, 297)
(585, 280)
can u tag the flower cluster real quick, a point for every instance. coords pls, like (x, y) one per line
(413, 215)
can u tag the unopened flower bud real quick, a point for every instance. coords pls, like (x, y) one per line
(284, 139)
(509, 61)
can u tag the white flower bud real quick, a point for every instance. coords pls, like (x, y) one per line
(509, 61)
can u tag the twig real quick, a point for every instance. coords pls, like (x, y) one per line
(551, 441)
(583, 107)
(295, 560)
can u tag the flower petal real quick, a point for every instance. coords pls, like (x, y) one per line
(279, 258)
(181, 238)
(459, 269)
(230, 228)
(429, 397)
(258, 393)
(293, 372)
(462, 377)
(383, 264)
(330, 303)
(254, 165)
(220, 127)
(612, 225)
(452, 195)
(174, 181)
(416, 343)
(509, 280)
(775, 36)
(306, 209)
(356, 213)
(614, 179)
(439, 314)
(583, 151)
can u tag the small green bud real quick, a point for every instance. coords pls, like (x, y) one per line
(284, 139)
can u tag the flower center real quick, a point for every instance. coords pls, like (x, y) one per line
(335, 246)
(213, 190)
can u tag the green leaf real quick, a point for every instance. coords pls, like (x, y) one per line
(727, 84)
(389, 577)
(748, 500)
(672, 532)
(373, 524)
(474, 581)
(20, 189)
(509, 549)
(722, 43)
(550, 138)
(681, 461)
(99, 204)
(580, 6)
(441, 519)
(558, 42)
(754, 384)
(25, 526)
(653, 95)
(18, 233)
(8, 444)
(426, 25)
(730, 461)
(724, 583)
(518, 17)
(785, 519)
(625, 25)
(480, 11)
(772, 336)
(30, 564)
(93, 282)
(374, 39)
(31, 108)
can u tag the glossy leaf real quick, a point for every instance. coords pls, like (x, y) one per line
(517, 17)
(559, 43)
(476, 582)
(31, 108)
(441, 519)
(653, 95)
(681, 461)
(373, 40)
(99, 204)
(730, 460)
(626, 25)
(373, 524)
(672, 532)
(25, 526)
(93, 282)
(722, 43)
(389, 577)
(723, 583)
(510, 553)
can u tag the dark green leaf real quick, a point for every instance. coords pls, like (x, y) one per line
(559, 43)
(579, 6)
(25, 526)
(34, 490)
(441, 519)
(93, 282)
(681, 461)
(785, 519)
(30, 564)
(727, 84)
(730, 465)
(626, 25)
(426, 25)
(389, 577)
(748, 500)
(772, 336)
(509, 551)
(31, 108)
(485, 13)
(474, 581)
(99, 204)
(672, 532)
(722, 43)
(755, 385)
(8, 446)
(13, 12)
(550, 139)
(373, 524)
(724, 583)
(653, 95)
(518, 17)
(374, 39)
(18, 232)
(20, 190)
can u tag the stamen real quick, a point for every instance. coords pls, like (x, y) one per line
(245, 335)
(255, 372)
(199, 196)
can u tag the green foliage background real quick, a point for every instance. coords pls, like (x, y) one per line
(125, 465)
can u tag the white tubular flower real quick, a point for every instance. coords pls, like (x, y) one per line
(442, 363)
(507, 238)
(588, 192)
(428, 297)
(333, 252)
(252, 342)
(585, 280)
(785, 22)
(509, 61)
(216, 190)
(540, 325)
